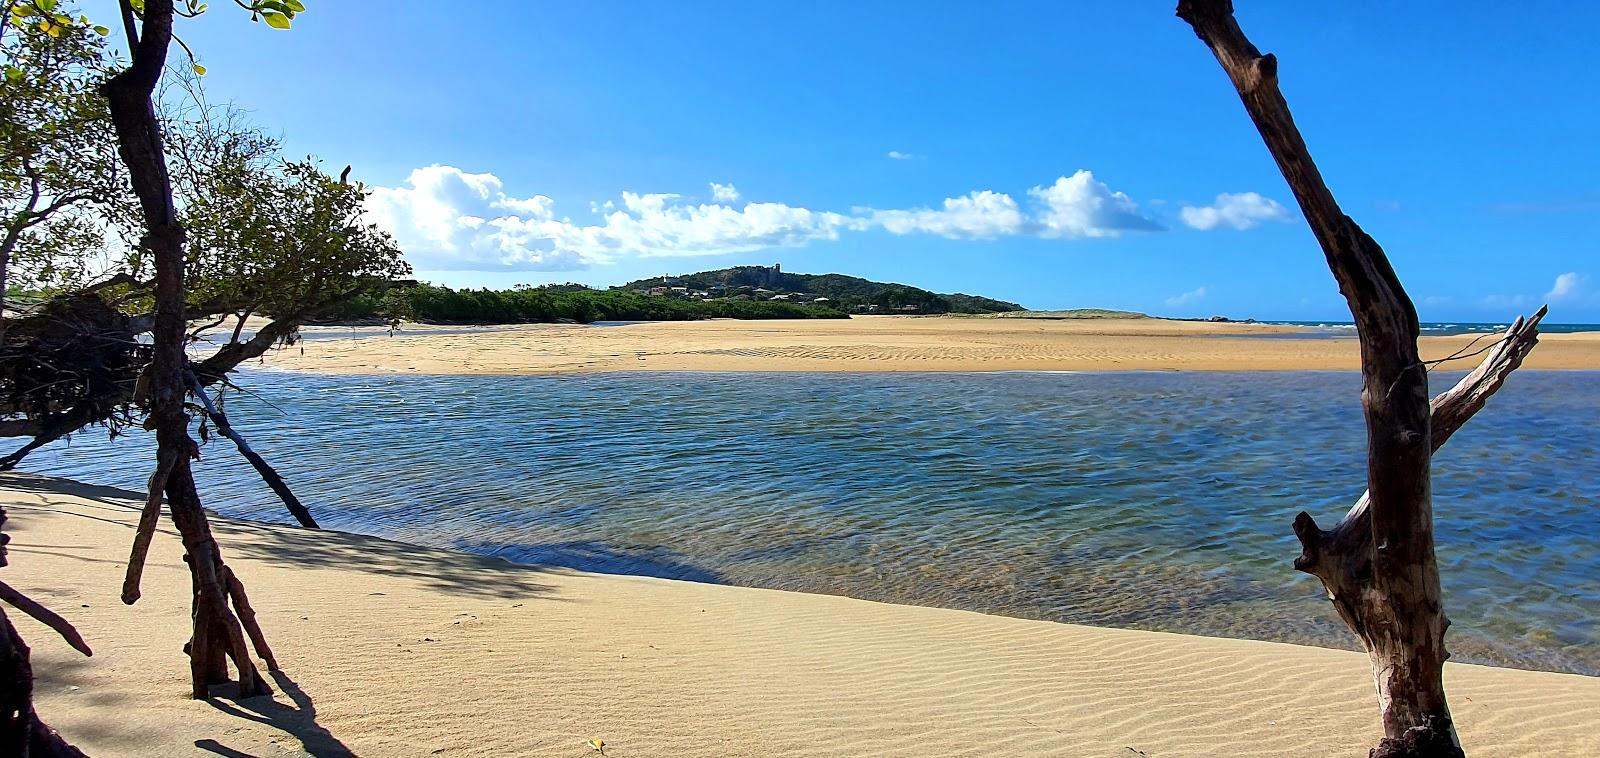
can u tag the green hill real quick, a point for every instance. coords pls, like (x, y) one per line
(851, 294)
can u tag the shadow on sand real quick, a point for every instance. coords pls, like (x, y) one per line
(300, 720)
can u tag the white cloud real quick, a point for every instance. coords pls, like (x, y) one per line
(1244, 210)
(899, 156)
(1567, 286)
(977, 215)
(448, 219)
(1080, 206)
(1192, 296)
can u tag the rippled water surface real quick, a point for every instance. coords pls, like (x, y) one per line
(1150, 500)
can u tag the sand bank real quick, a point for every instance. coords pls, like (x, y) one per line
(880, 343)
(390, 649)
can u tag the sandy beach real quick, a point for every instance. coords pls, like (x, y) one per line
(878, 343)
(391, 649)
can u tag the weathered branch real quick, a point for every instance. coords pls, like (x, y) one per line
(146, 529)
(1396, 608)
(268, 474)
(247, 617)
(22, 427)
(229, 356)
(45, 616)
(121, 278)
(1341, 557)
(49, 429)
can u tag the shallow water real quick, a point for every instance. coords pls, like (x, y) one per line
(1148, 500)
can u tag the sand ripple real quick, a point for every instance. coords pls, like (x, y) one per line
(399, 650)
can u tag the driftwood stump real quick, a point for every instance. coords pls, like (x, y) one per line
(1378, 565)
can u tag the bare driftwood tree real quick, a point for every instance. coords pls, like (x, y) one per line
(22, 733)
(217, 635)
(1378, 564)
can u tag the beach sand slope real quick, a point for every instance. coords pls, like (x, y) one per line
(390, 649)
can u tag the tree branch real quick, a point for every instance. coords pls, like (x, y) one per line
(1451, 410)
(45, 616)
(268, 474)
(1387, 586)
(146, 529)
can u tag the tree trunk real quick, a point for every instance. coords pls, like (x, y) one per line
(216, 629)
(1398, 614)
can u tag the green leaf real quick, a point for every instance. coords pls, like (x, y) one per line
(14, 74)
(102, 31)
(275, 20)
(199, 69)
(295, 6)
(48, 6)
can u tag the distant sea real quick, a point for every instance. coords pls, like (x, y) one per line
(1442, 328)
(1146, 500)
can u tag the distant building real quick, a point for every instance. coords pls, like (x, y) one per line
(821, 300)
(769, 276)
(779, 297)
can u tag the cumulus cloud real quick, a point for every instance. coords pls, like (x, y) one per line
(1187, 298)
(977, 215)
(1081, 206)
(896, 155)
(1073, 207)
(1241, 211)
(1567, 286)
(446, 218)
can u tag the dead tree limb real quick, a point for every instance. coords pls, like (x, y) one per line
(45, 616)
(1336, 555)
(247, 617)
(146, 529)
(268, 474)
(1398, 612)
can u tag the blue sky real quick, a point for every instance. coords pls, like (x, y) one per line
(1463, 138)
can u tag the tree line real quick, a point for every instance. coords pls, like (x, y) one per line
(442, 305)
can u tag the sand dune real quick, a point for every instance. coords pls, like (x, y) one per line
(390, 649)
(877, 343)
